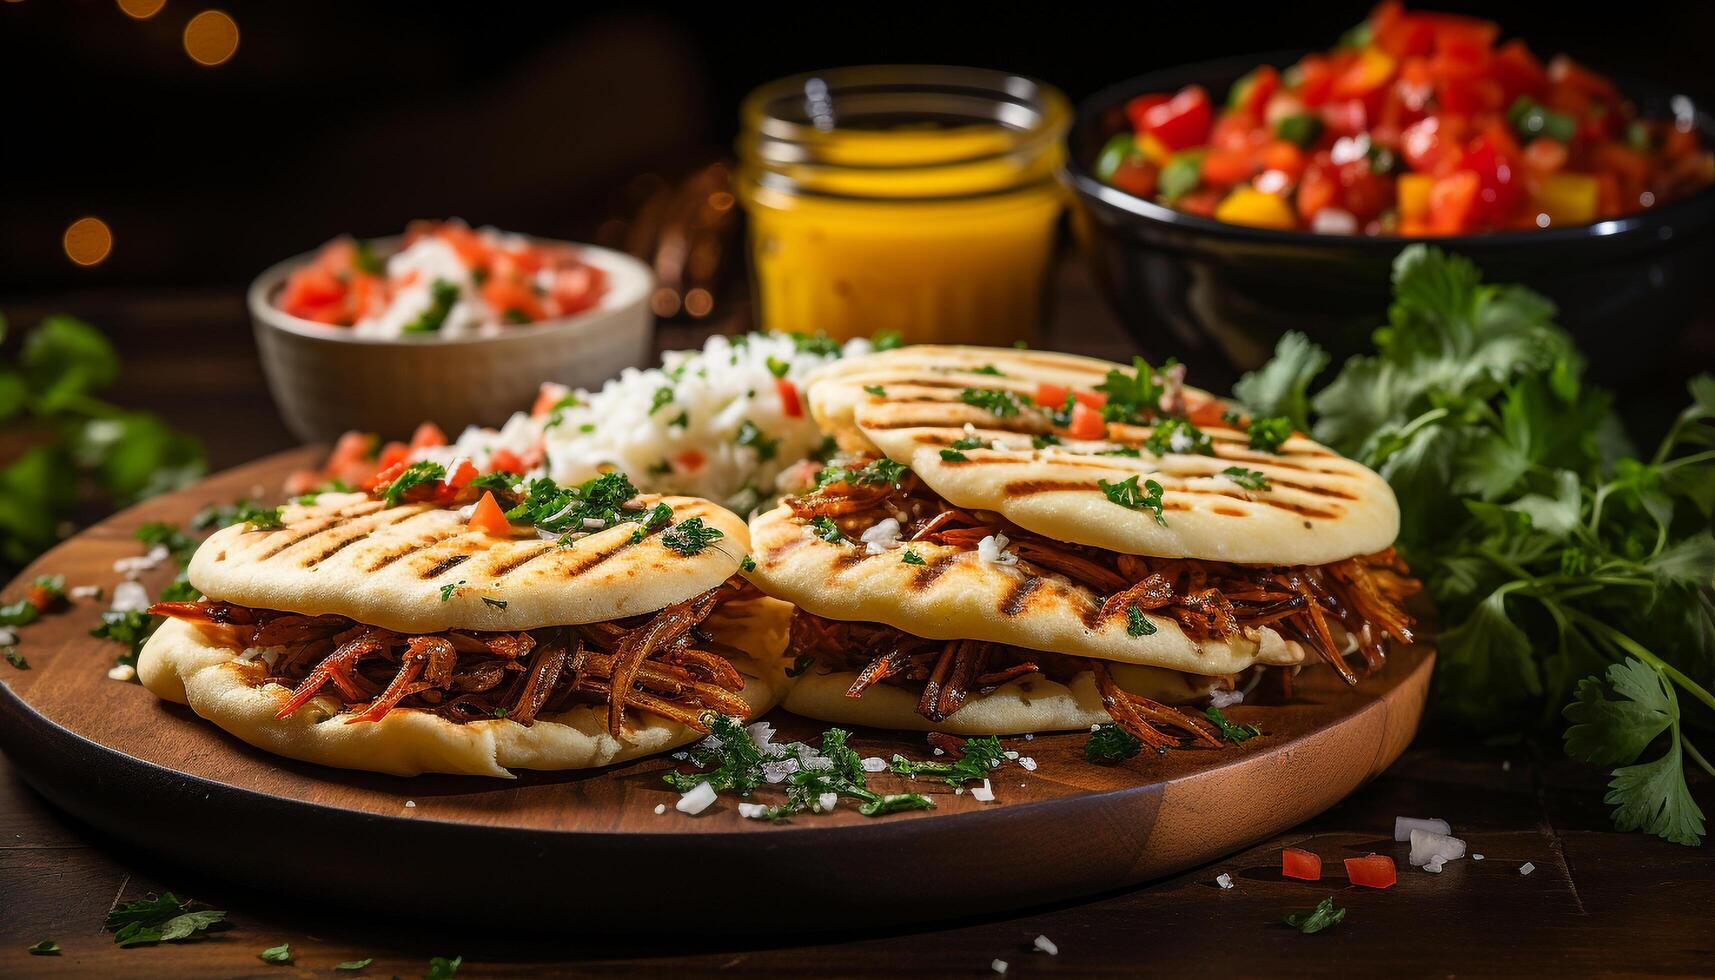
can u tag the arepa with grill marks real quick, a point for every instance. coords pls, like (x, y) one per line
(1220, 500)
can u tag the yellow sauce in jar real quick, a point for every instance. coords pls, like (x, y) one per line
(921, 200)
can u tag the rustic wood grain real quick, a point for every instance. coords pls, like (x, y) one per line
(93, 746)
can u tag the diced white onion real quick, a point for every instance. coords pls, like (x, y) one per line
(660, 808)
(881, 536)
(983, 793)
(875, 763)
(1224, 880)
(1427, 846)
(123, 672)
(761, 733)
(1225, 699)
(827, 801)
(998, 966)
(697, 799)
(8, 637)
(85, 592)
(130, 596)
(1047, 946)
(1476, 857)
(993, 549)
(1027, 762)
(752, 811)
(1403, 826)
(411, 804)
(1433, 867)
(1526, 868)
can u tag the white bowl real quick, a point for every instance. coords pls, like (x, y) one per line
(326, 381)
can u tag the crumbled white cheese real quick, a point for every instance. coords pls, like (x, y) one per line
(1029, 736)
(1433, 867)
(1427, 846)
(1526, 868)
(467, 510)
(1224, 699)
(1403, 826)
(881, 536)
(1179, 441)
(123, 672)
(752, 811)
(875, 763)
(681, 756)
(132, 567)
(85, 592)
(697, 799)
(8, 637)
(1046, 945)
(998, 966)
(1224, 880)
(1027, 762)
(983, 793)
(993, 549)
(129, 596)
(660, 808)
(826, 802)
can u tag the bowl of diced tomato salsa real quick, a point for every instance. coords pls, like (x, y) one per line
(448, 323)
(1223, 203)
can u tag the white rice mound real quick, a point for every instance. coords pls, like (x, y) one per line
(717, 389)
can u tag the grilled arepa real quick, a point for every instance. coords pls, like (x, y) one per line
(1008, 519)
(1223, 497)
(409, 634)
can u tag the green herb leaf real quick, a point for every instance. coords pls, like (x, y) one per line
(1249, 479)
(652, 520)
(997, 402)
(1318, 918)
(977, 759)
(1128, 494)
(1282, 386)
(876, 390)
(441, 968)
(874, 472)
(777, 367)
(1110, 743)
(1176, 435)
(690, 537)
(1133, 398)
(953, 456)
(276, 954)
(911, 557)
(884, 340)
(988, 369)
(749, 434)
(1269, 432)
(415, 475)
(1044, 440)
(158, 920)
(15, 658)
(46, 947)
(1230, 731)
(662, 398)
(349, 965)
(442, 297)
(1181, 175)
(1137, 624)
(747, 564)
(825, 528)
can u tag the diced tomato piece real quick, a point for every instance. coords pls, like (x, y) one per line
(1258, 87)
(1568, 74)
(577, 289)
(1182, 121)
(1298, 863)
(1453, 203)
(1363, 192)
(352, 447)
(1345, 117)
(1224, 168)
(1421, 144)
(513, 300)
(393, 452)
(460, 473)
(1284, 156)
(1316, 79)
(1087, 422)
(1319, 186)
(790, 405)
(302, 481)
(465, 242)
(1207, 414)
(1371, 871)
(549, 395)
(1544, 155)
(1094, 399)
(385, 475)
(1459, 31)
(1136, 177)
(427, 435)
(1373, 69)
(1051, 395)
(1136, 107)
(1518, 71)
(688, 461)
(489, 518)
(504, 461)
(1202, 201)
(311, 288)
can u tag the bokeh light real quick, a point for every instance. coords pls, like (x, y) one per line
(211, 37)
(88, 240)
(141, 9)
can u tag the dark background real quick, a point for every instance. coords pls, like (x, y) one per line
(359, 116)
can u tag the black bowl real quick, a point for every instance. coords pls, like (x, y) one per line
(1218, 295)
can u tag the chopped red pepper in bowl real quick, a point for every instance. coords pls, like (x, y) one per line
(1417, 124)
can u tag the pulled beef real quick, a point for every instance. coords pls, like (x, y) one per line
(662, 662)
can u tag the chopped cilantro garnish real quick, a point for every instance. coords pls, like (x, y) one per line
(1176, 435)
(969, 442)
(977, 758)
(911, 557)
(350, 965)
(276, 954)
(442, 296)
(1044, 440)
(1249, 479)
(818, 343)
(997, 402)
(747, 564)
(238, 512)
(682, 420)
(557, 509)
(46, 947)
(662, 398)
(1131, 451)
(1111, 743)
(1126, 493)
(441, 968)
(953, 456)
(1318, 918)
(158, 920)
(16, 659)
(876, 390)
(494, 603)
(749, 434)
(989, 369)
(1136, 623)
(886, 340)
(825, 450)
(777, 367)
(448, 590)
(654, 518)
(825, 528)
(689, 537)
(1231, 731)
(415, 475)
(1267, 433)
(659, 468)
(876, 471)
(363, 256)
(1134, 398)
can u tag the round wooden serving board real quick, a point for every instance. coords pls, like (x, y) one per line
(586, 850)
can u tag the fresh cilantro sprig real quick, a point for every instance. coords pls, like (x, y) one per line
(158, 920)
(594, 504)
(1129, 495)
(1553, 554)
(1176, 435)
(1110, 743)
(977, 758)
(1325, 914)
(1133, 398)
(689, 537)
(1230, 731)
(416, 475)
(998, 402)
(874, 472)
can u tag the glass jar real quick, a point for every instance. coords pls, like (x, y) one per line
(909, 198)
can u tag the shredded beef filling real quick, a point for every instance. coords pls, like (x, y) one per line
(663, 662)
(1209, 600)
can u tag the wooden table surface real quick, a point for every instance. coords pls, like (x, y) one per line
(1598, 902)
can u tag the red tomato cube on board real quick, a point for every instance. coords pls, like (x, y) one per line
(1371, 871)
(1295, 862)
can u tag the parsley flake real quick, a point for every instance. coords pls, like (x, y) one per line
(953, 456)
(777, 367)
(876, 390)
(494, 603)
(46, 947)
(1137, 624)
(989, 369)
(997, 402)
(1110, 743)
(1267, 433)
(662, 398)
(749, 434)
(448, 590)
(276, 954)
(1230, 731)
(158, 920)
(825, 528)
(1318, 918)
(747, 564)
(1128, 494)
(415, 475)
(1176, 435)
(442, 295)
(1249, 479)
(350, 965)
(690, 537)
(977, 758)
(911, 557)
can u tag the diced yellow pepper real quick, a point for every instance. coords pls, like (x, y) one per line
(1568, 199)
(1153, 149)
(1249, 206)
(1414, 196)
